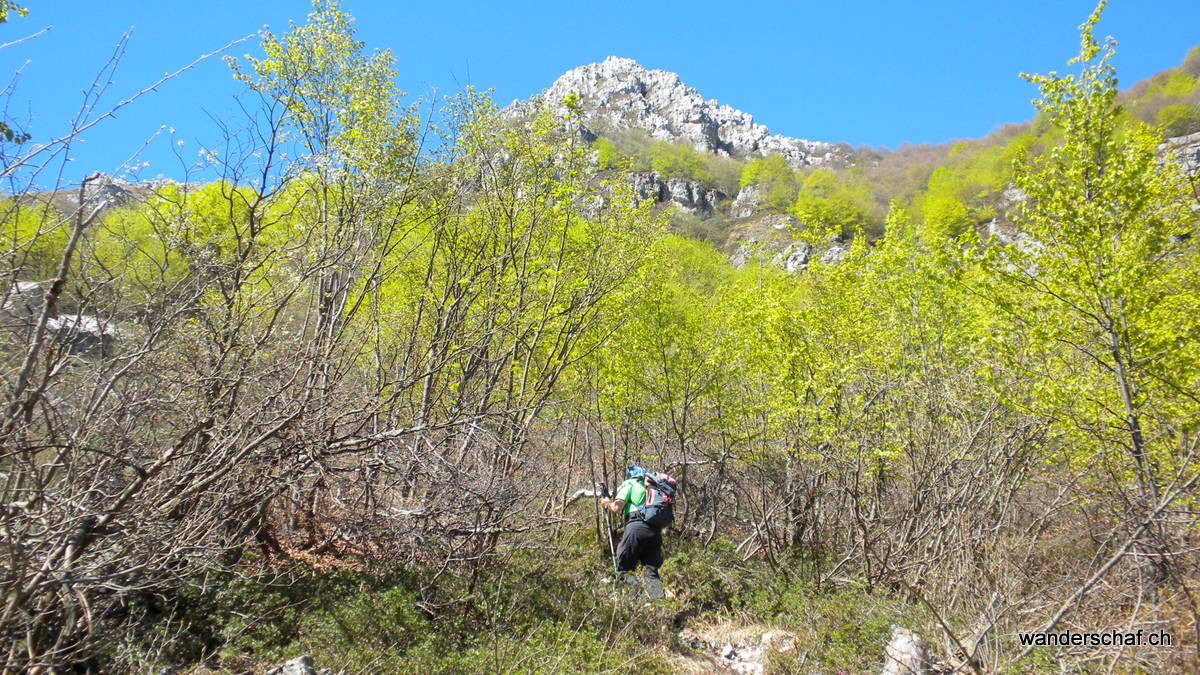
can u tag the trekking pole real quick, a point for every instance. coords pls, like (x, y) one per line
(602, 492)
(612, 549)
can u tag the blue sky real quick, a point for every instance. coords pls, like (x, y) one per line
(865, 72)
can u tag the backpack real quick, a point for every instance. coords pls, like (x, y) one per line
(658, 509)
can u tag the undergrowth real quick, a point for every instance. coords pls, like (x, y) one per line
(528, 611)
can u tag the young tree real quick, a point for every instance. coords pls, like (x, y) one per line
(1104, 295)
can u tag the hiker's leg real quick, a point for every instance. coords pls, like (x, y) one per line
(653, 584)
(652, 559)
(628, 554)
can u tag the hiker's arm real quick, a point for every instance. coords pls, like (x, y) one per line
(617, 503)
(614, 505)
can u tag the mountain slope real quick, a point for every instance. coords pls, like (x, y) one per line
(619, 94)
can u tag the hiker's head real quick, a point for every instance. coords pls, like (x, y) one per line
(635, 472)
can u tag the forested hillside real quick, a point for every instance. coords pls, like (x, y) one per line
(337, 403)
(744, 182)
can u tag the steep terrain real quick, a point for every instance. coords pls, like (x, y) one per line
(712, 165)
(619, 94)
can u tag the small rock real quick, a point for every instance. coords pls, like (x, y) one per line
(794, 258)
(301, 665)
(906, 653)
(834, 254)
(780, 643)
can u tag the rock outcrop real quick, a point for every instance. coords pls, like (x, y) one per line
(104, 192)
(23, 303)
(689, 195)
(83, 335)
(1187, 152)
(747, 202)
(620, 94)
(80, 335)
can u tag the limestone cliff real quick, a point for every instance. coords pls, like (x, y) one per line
(619, 94)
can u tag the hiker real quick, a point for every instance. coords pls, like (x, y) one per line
(642, 541)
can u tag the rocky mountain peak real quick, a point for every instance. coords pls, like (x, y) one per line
(618, 94)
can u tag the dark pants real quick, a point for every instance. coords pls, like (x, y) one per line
(641, 544)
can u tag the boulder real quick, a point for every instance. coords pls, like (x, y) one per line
(24, 300)
(85, 336)
(647, 185)
(1187, 151)
(834, 254)
(906, 653)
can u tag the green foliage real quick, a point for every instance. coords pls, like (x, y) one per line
(1178, 119)
(1191, 62)
(529, 260)
(1106, 299)
(8, 7)
(775, 179)
(1173, 83)
(724, 172)
(829, 206)
(635, 150)
(662, 364)
(1169, 99)
(707, 578)
(180, 232)
(844, 629)
(681, 160)
(676, 160)
(607, 155)
(33, 235)
(708, 230)
(532, 614)
(367, 631)
(945, 216)
(766, 170)
(342, 103)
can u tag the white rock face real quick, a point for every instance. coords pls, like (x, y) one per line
(84, 335)
(794, 258)
(24, 300)
(747, 202)
(620, 94)
(690, 196)
(1187, 150)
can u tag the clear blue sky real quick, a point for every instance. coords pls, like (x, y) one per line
(865, 72)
